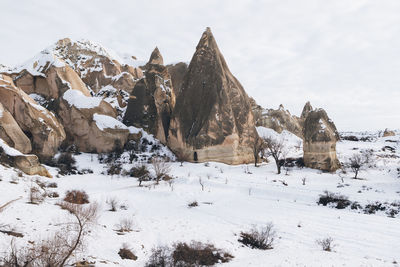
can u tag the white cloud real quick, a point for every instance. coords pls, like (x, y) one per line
(341, 55)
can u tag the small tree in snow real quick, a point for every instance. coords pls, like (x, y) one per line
(359, 162)
(275, 148)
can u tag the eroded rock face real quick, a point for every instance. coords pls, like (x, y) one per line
(49, 78)
(177, 72)
(320, 137)
(152, 100)
(95, 66)
(212, 119)
(277, 119)
(79, 113)
(388, 132)
(40, 125)
(30, 165)
(12, 134)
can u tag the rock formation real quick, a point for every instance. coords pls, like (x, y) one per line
(177, 72)
(212, 119)
(60, 89)
(28, 164)
(152, 99)
(277, 119)
(388, 132)
(12, 134)
(319, 142)
(90, 123)
(95, 66)
(40, 125)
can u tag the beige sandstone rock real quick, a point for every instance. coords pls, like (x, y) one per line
(11, 133)
(278, 120)
(212, 119)
(42, 126)
(152, 100)
(30, 165)
(319, 143)
(387, 133)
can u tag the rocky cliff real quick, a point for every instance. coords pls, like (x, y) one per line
(152, 99)
(319, 142)
(212, 119)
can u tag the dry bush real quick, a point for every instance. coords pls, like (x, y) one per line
(58, 248)
(141, 172)
(161, 168)
(126, 253)
(35, 195)
(259, 238)
(191, 255)
(76, 197)
(193, 204)
(326, 243)
(341, 201)
(198, 254)
(112, 203)
(160, 257)
(125, 225)
(66, 163)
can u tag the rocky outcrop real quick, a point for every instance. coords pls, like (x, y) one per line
(177, 72)
(95, 66)
(319, 142)
(388, 132)
(40, 125)
(212, 119)
(28, 164)
(152, 99)
(47, 77)
(277, 119)
(90, 123)
(12, 134)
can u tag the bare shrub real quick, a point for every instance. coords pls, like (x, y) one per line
(52, 194)
(160, 257)
(66, 163)
(114, 168)
(193, 204)
(76, 197)
(36, 196)
(198, 254)
(125, 225)
(112, 203)
(161, 168)
(259, 238)
(339, 200)
(58, 248)
(126, 253)
(141, 172)
(326, 243)
(183, 254)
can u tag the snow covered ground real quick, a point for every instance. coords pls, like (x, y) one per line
(234, 198)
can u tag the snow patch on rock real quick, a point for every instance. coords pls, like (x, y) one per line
(9, 150)
(78, 99)
(107, 122)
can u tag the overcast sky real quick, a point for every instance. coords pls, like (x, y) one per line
(343, 56)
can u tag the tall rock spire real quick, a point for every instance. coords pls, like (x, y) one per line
(212, 117)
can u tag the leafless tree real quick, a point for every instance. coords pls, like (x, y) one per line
(161, 168)
(359, 162)
(59, 247)
(275, 148)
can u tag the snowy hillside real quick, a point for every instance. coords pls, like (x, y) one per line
(231, 199)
